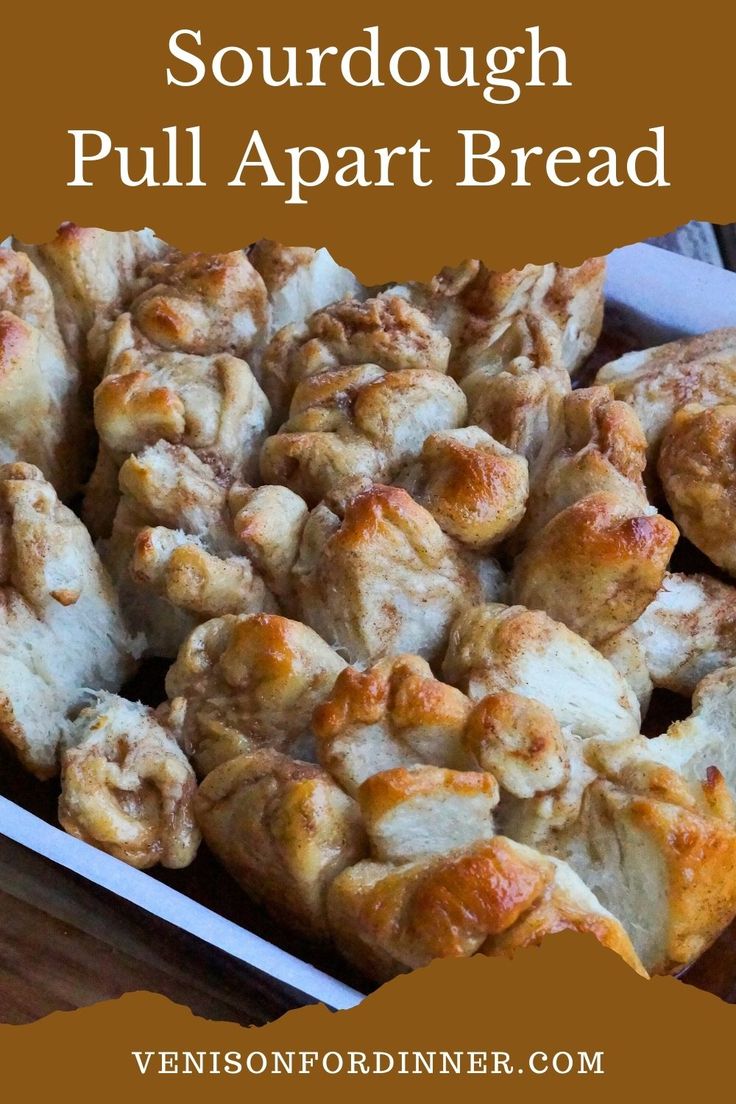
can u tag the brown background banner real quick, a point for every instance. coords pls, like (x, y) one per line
(658, 1038)
(633, 66)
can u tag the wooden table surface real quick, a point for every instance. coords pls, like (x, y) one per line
(65, 943)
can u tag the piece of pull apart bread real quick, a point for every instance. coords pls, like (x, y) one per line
(697, 466)
(94, 275)
(491, 897)
(189, 544)
(61, 628)
(491, 317)
(242, 683)
(300, 280)
(377, 576)
(126, 786)
(395, 714)
(284, 829)
(386, 332)
(635, 818)
(42, 417)
(358, 422)
(177, 370)
(657, 382)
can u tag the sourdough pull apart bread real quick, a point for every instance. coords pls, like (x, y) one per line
(317, 500)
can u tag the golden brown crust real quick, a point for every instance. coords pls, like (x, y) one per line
(394, 714)
(284, 830)
(696, 466)
(391, 918)
(563, 908)
(649, 842)
(474, 487)
(203, 303)
(597, 565)
(601, 448)
(243, 682)
(519, 741)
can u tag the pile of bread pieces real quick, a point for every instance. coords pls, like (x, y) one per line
(412, 579)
